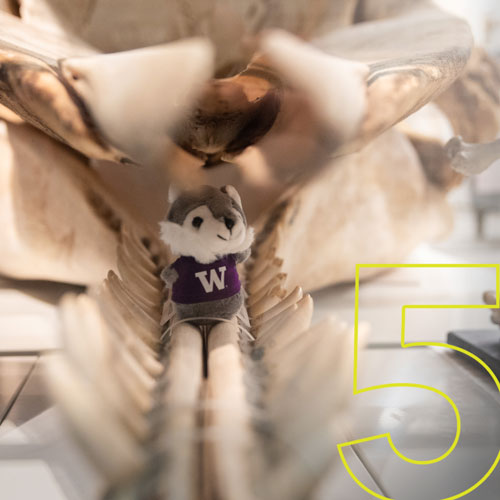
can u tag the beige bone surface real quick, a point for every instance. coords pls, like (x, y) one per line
(403, 76)
(206, 439)
(229, 26)
(472, 159)
(140, 131)
(372, 206)
(76, 106)
(184, 376)
(379, 198)
(55, 218)
(229, 415)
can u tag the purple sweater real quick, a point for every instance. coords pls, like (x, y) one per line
(205, 282)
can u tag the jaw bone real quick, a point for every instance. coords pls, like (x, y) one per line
(472, 159)
(57, 220)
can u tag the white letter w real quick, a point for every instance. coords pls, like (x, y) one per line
(214, 279)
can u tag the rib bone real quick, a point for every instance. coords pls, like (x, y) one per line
(472, 159)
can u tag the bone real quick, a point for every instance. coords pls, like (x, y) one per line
(106, 362)
(261, 279)
(146, 305)
(231, 414)
(137, 277)
(283, 360)
(135, 311)
(33, 87)
(310, 437)
(394, 208)
(295, 319)
(139, 390)
(61, 237)
(44, 44)
(278, 280)
(158, 252)
(264, 250)
(137, 383)
(146, 268)
(262, 265)
(9, 116)
(289, 300)
(331, 345)
(140, 131)
(291, 349)
(472, 159)
(407, 76)
(269, 300)
(137, 252)
(184, 373)
(312, 378)
(288, 349)
(146, 333)
(85, 348)
(471, 102)
(145, 355)
(106, 440)
(322, 78)
(144, 244)
(260, 261)
(429, 130)
(263, 331)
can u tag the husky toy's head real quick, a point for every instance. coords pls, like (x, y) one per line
(206, 223)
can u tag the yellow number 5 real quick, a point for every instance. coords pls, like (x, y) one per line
(404, 344)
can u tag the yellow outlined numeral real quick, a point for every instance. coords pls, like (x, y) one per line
(419, 386)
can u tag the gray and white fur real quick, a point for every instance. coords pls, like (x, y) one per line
(206, 223)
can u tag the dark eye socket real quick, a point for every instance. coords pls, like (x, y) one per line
(197, 222)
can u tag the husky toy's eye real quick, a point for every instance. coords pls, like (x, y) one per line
(197, 222)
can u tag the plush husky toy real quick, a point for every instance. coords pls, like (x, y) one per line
(207, 228)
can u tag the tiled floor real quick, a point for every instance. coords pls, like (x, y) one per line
(39, 460)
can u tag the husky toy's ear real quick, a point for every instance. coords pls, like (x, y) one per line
(173, 193)
(231, 191)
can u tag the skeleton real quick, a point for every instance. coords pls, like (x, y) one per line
(472, 159)
(283, 113)
(269, 160)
